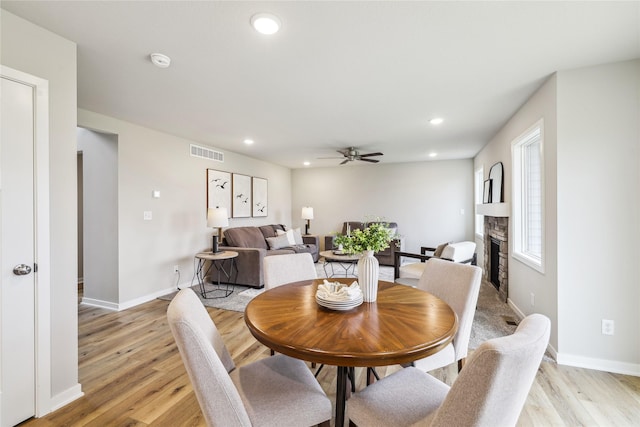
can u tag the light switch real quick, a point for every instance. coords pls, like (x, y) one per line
(155, 194)
(148, 216)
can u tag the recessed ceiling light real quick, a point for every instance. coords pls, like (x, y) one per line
(306, 163)
(160, 60)
(248, 141)
(265, 23)
(433, 154)
(436, 121)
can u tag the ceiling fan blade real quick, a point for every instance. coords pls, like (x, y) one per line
(330, 157)
(369, 160)
(344, 161)
(372, 154)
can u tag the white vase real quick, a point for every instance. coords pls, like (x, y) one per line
(368, 269)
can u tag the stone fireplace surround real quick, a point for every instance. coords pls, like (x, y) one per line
(497, 227)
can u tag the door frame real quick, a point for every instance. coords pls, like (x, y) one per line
(42, 237)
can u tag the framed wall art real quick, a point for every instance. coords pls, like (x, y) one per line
(241, 196)
(259, 193)
(486, 195)
(218, 189)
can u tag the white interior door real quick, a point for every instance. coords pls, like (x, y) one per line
(18, 283)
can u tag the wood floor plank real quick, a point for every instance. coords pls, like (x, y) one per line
(132, 375)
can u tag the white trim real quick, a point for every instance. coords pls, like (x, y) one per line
(42, 237)
(66, 397)
(606, 365)
(131, 303)
(516, 196)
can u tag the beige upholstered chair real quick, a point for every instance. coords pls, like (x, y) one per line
(490, 391)
(281, 269)
(408, 274)
(275, 391)
(458, 285)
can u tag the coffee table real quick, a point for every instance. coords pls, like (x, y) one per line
(346, 262)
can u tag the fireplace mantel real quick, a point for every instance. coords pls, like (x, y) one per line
(494, 209)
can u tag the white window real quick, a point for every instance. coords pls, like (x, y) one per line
(479, 187)
(528, 197)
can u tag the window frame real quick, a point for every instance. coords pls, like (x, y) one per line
(478, 195)
(534, 134)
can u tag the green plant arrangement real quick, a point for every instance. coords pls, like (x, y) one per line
(375, 237)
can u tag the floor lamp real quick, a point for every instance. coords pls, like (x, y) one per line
(217, 218)
(307, 213)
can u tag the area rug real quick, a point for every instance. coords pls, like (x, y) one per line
(493, 317)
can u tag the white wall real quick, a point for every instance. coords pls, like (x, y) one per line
(424, 198)
(149, 160)
(100, 215)
(36, 51)
(524, 280)
(599, 215)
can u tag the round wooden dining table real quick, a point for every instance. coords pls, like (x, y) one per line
(404, 324)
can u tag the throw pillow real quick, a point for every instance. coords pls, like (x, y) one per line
(297, 236)
(439, 250)
(278, 242)
(289, 234)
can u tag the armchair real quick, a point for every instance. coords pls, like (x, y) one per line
(408, 274)
(385, 257)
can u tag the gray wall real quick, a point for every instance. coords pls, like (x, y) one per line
(599, 215)
(425, 198)
(149, 160)
(33, 50)
(100, 215)
(592, 213)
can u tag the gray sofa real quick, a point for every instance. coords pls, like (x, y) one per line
(255, 243)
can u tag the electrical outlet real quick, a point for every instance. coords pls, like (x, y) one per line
(176, 269)
(608, 327)
(533, 299)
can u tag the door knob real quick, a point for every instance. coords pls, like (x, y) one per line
(21, 269)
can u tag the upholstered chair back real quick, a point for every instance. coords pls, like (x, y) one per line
(281, 269)
(459, 286)
(207, 361)
(492, 388)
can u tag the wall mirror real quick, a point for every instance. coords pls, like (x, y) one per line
(495, 175)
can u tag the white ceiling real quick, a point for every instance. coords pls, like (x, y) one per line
(338, 74)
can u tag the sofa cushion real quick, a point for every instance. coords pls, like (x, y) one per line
(245, 237)
(270, 230)
(278, 242)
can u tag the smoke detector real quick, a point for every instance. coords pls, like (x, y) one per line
(160, 60)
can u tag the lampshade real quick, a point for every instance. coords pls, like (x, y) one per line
(217, 217)
(307, 212)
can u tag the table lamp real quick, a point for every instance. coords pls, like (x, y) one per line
(307, 213)
(217, 218)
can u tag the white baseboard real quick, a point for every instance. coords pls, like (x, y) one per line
(599, 364)
(131, 303)
(66, 397)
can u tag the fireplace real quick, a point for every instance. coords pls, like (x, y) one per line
(496, 253)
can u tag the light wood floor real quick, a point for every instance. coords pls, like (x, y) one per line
(132, 375)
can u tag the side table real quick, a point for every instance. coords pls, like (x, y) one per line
(348, 263)
(217, 260)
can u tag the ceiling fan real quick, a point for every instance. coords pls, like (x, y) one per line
(350, 154)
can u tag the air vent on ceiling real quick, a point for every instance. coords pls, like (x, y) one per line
(206, 153)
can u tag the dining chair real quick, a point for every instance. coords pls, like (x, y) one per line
(490, 391)
(281, 269)
(274, 391)
(459, 286)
